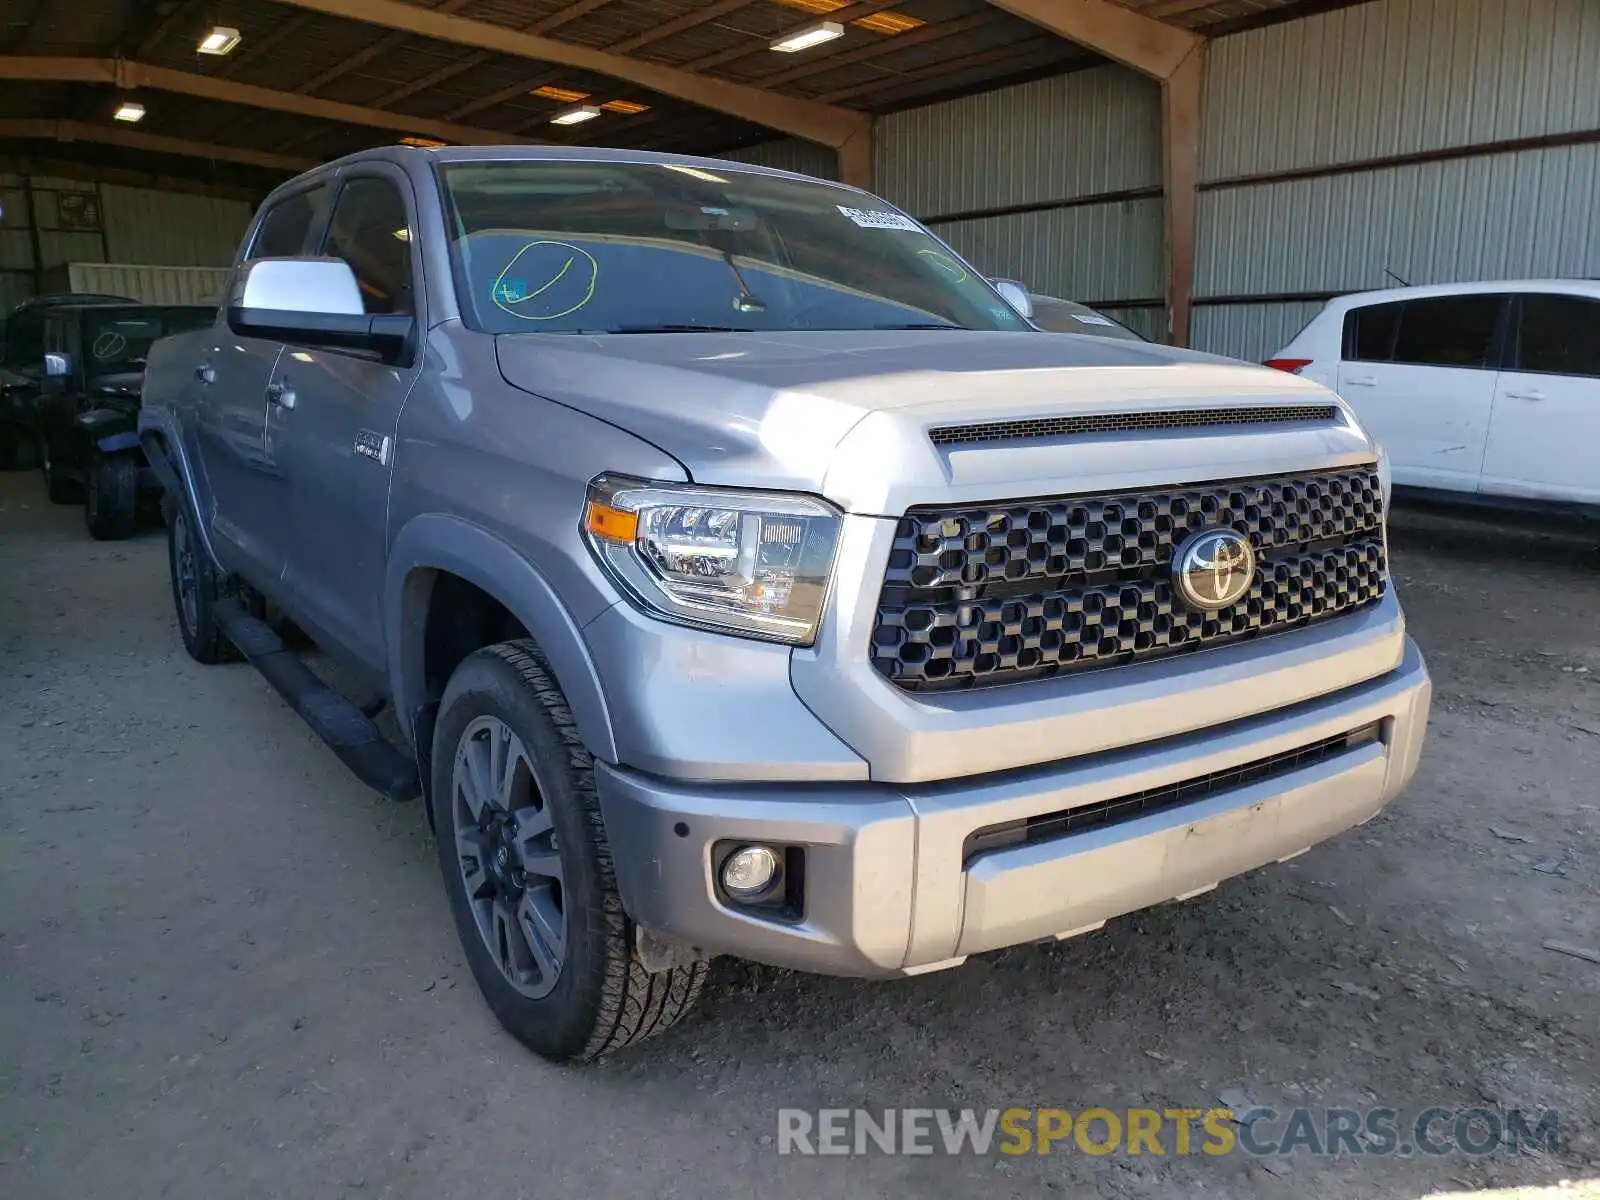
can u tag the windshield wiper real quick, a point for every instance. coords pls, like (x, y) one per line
(922, 325)
(669, 328)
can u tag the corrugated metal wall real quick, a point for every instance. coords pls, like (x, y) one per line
(1338, 94)
(137, 226)
(790, 154)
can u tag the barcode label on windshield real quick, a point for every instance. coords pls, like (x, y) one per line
(870, 218)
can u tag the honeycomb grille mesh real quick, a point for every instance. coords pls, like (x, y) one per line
(995, 594)
(1194, 418)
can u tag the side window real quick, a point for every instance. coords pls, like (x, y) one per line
(1369, 332)
(1559, 335)
(1448, 331)
(290, 224)
(370, 231)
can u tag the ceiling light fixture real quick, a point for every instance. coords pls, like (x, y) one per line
(814, 35)
(576, 116)
(129, 111)
(221, 40)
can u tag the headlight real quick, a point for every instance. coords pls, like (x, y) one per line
(750, 563)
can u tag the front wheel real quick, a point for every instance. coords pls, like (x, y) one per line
(194, 589)
(111, 509)
(528, 869)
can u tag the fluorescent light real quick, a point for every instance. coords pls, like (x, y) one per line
(815, 35)
(221, 40)
(576, 116)
(129, 111)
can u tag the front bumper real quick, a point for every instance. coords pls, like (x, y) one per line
(890, 884)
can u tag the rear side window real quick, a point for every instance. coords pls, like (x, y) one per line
(289, 226)
(1448, 331)
(1558, 335)
(1369, 332)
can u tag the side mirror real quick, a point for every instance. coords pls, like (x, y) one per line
(312, 302)
(57, 366)
(1016, 295)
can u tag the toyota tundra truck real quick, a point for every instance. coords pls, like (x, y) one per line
(745, 574)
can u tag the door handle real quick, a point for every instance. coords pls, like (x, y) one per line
(281, 394)
(205, 374)
(1362, 381)
(1525, 395)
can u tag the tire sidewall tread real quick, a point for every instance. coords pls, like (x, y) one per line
(604, 999)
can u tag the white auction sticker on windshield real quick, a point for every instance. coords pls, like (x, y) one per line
(871, 218)
(1085, 319)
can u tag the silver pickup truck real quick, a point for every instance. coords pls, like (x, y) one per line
(748, 576)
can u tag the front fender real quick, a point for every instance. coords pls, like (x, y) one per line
(110, 429)
(435, 542)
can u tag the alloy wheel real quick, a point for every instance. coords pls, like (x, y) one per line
(507, 852)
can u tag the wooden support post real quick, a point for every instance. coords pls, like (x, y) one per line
(1181, 100)
(855, 158)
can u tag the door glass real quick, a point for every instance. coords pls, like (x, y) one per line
(1369, 332)
(1559, 335)
(371, 233)
(290, 224)
(1448, 331)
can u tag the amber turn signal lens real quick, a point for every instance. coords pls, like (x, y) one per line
(611, 524)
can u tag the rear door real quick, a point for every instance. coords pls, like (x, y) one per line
(1544, 437)
(232, 374)
(334, 445)
(1421, 375)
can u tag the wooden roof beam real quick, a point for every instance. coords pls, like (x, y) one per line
(802, 118)
(1150, 47)
(130, 76)
(133, 139)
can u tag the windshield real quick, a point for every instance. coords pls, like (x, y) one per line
(117, 340)
(593, 247)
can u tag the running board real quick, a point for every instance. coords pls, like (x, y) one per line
(349, 733)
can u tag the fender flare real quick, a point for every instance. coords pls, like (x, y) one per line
(435, 542)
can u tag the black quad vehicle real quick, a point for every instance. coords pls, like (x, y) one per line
(88, 407)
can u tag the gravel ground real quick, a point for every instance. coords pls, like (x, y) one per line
(229, 970)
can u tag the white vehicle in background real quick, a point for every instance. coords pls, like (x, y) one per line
(1485, 391)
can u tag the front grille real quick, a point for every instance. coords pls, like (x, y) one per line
(1169, 795)
(993, 594)
(1190, 418)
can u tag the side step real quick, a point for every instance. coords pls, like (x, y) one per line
(348, 732)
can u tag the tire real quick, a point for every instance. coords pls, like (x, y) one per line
(502, 707)
(61, 489)
(193, 576)
(111, 506)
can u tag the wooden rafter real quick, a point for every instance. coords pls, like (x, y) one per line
(802, 118)
(132, 75)
(1133, 39)
(133, 139)
(1019, 56)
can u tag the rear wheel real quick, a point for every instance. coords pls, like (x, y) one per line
(61, 488)
(194, 589)
(111, 508)
(528, 869)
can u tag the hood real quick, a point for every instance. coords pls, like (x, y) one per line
(846, 413)
(120, 384)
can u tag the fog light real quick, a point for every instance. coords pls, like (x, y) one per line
(749, 871)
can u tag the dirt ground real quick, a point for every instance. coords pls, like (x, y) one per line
(226, 970)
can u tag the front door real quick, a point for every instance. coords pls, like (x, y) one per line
(334, 439)
(1420, 374)
(1544, 439)
(232, 375)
